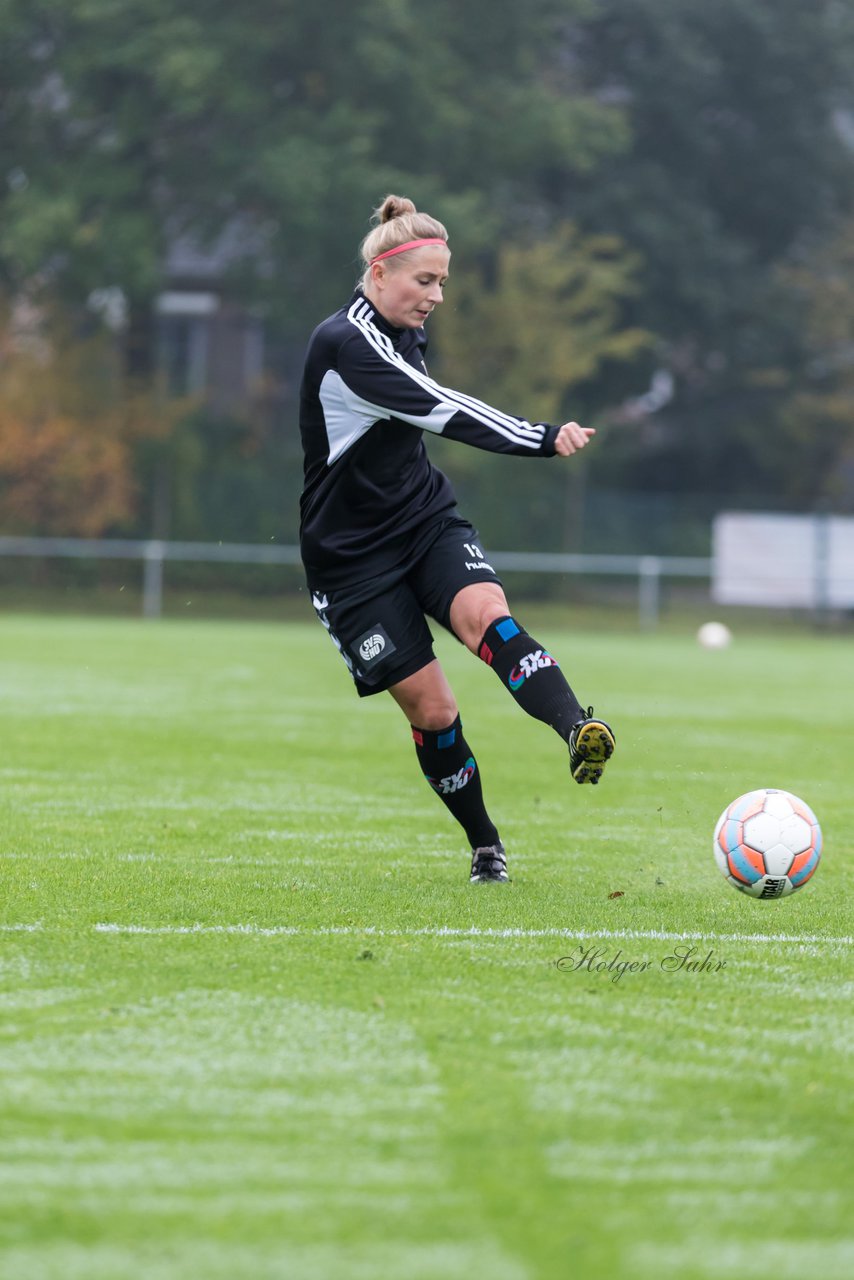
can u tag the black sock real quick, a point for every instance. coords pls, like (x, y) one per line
(449, 766)
(531, 674)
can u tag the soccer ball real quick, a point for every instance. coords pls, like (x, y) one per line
(767, 843)
(714, 635)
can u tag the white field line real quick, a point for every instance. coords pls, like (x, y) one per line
(445, 931)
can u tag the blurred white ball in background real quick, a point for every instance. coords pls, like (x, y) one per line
(714, 635)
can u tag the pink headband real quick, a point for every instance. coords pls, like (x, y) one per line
(410, 244)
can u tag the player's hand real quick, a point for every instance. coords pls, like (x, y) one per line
(571, 438)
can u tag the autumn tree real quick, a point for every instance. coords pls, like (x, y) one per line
(69, 427)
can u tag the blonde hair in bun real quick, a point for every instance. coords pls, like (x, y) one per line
(397, 221)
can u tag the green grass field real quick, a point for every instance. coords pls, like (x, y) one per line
(256, 1023)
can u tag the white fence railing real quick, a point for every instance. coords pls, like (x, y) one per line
(648, 570)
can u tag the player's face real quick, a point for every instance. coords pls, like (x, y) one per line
(407, 291)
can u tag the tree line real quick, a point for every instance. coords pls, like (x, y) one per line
(650, 211)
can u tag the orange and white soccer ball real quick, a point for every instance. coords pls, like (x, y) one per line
(767, 843)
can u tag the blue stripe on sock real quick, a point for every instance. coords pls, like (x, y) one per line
(507, 629)
(446, 739)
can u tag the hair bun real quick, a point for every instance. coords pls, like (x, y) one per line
(396, 222)
(394, 207)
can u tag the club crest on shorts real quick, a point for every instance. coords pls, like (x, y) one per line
(373, 645)
(371, 648)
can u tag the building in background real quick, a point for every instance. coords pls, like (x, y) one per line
(208, 344)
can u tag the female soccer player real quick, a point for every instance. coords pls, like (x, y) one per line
(383, 544)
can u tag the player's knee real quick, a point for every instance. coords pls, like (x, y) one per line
(426, 698)
(474, 610)
(434, 713)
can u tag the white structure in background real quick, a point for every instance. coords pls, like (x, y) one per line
(185, 329)
(209, 344)
(783, 561)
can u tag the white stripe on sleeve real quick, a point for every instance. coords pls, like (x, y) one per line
(528, 435)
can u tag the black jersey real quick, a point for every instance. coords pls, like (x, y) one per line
(371, 493)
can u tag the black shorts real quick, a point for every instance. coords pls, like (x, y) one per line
(385, 638)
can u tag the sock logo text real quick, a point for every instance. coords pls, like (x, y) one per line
(454, 781)
(528, 666)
